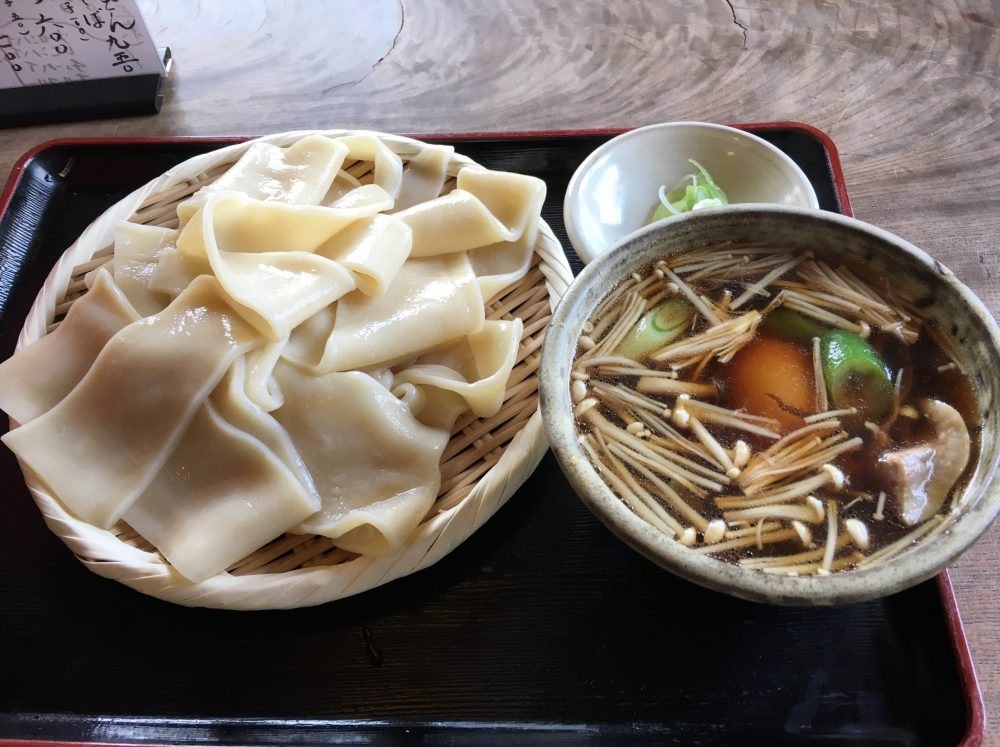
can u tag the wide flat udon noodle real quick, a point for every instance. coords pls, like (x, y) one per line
(221, 495)
(264, 255)
(499, 265)
(137, 251)
(475, 368)
(232, 402)
(429, 302)
(175, 269)
(372, 249)
(37, 377)
(424, 176)
(300, 174)
(100, 447)
(387, 167)
(259, 384)
(487, 207)
(342, 185)
(375, 466)
(380, 493)
(307, 342)
(174, 272)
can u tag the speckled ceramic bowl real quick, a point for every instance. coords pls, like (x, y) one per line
(973, 330)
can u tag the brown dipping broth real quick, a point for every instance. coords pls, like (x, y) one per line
(936, 378)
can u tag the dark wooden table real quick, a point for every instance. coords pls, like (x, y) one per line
(910, 92)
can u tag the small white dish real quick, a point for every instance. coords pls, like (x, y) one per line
(616, 187)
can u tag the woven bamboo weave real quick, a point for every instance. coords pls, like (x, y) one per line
(485, 461)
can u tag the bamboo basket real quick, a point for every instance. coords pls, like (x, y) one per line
(485, 461)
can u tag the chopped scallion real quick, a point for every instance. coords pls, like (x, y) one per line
(701, 193)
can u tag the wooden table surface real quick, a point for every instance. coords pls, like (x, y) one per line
(910, 93)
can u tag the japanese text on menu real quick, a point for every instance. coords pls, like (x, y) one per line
(58, 41)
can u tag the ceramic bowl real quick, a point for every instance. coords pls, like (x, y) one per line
(615, 189)
(945, 300)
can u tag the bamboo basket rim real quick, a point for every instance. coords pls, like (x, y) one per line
(486, 459)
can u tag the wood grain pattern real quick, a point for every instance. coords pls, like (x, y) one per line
(910, 92)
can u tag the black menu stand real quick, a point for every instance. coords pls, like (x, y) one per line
(99, 98)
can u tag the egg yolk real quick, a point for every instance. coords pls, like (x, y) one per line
(773, 378)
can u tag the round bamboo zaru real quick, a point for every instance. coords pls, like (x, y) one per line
(486, 460)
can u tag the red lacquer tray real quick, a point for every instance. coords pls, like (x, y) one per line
(541, 628)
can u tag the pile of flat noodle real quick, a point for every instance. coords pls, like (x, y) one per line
(290, 358)
(649, 426)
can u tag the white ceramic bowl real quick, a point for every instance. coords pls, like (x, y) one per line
(614, 190)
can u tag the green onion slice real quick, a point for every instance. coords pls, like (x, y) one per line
(656, 328)
(855, 374)
(702, 192)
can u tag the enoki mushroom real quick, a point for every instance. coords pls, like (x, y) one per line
(749, 483)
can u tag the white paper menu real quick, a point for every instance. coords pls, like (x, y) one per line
(59, 41)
